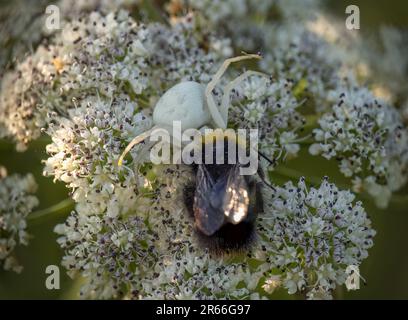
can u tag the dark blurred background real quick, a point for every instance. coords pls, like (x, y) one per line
(386, 268)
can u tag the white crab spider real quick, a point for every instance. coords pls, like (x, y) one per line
(193, 105)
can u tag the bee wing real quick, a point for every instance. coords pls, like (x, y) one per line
(236, 198)
(208, 217)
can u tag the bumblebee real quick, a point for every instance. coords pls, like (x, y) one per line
(223, 203)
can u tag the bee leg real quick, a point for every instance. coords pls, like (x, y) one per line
(261, 174)
(256, 200)
(259, 205)
(188, 197)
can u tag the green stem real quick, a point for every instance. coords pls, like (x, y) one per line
(143, 102)
(306, 142)
(59, 208)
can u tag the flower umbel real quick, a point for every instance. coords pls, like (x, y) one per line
(310, 235)
(16, 203)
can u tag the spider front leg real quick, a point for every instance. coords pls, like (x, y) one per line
(138, 139)
(225, 102)
(215, 113)
(164, 133)
(218, 118)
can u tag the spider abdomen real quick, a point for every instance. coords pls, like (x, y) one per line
(184, 102)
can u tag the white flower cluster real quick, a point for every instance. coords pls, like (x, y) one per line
(269, 105)
(111, 253)
(16, 203)
(84, 152)
(71, 9)
(304, 58)
(23, 110)
(97, 55)
(109, 225)
(254, 17)
(368, 139)
(16, 17)
(310, 235)
(44, 84)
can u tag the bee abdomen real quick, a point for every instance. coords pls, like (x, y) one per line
(229, 237)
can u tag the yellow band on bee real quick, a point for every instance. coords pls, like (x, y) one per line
(220, 134)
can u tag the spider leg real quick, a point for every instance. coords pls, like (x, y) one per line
(227, 91)
(134, 142)
(215, 113)
(174, 141)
